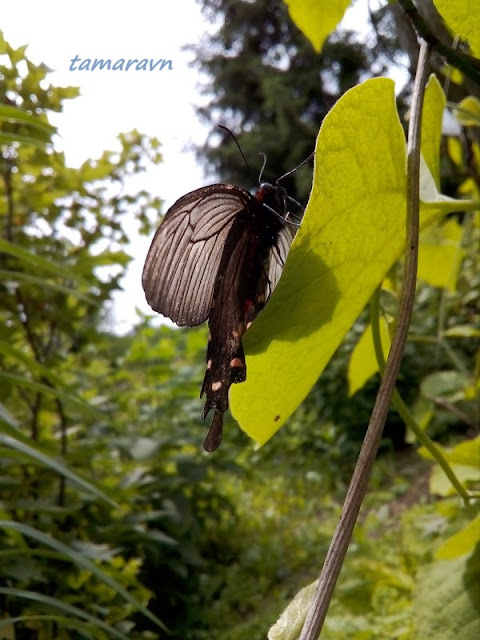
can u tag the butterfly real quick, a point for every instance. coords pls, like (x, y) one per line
(218, 254)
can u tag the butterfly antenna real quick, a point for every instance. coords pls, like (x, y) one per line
(264, 156)
(285, 175)
(238, 146)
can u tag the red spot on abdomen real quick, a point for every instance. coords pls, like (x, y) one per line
(247, 306)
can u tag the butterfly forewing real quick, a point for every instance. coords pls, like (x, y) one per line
(182, 264)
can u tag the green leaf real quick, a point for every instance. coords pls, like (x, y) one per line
(16, 55)
(352, 233)
(58, 393)
(443, 383)
(464, 459)
(32, 365)
(290, 623)
(61, 621)
(37, 262)
(455, 151)
(462, 542)
(316, 19)
(453, 74)
(467, 112)
(440, 485)
(64, 607)
(12, 277)
(14, 441)
(363, 361)
(7, 418)
(462, 331)
(8, 138)
(13, 114)
(440, 255)
(433, 108)
(447, 600)
(463, 19)
(466, 453)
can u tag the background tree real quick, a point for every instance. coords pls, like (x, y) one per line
(271, 88)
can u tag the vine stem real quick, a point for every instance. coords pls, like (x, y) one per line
(361, 475)
(404, 412)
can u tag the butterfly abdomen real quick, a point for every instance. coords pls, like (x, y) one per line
(239, 296)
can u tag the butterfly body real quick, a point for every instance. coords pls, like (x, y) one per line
(217, 255)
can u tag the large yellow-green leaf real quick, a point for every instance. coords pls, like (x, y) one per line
(463, 18)
(317, 18)
(352, 233)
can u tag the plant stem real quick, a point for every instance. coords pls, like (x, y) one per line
(361, 475)
(404, 411)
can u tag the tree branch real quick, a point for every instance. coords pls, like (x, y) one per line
(466, 64)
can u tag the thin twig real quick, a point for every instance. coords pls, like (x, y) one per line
(359, 482)
(455, 411)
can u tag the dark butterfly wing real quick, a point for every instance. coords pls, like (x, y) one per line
(278, 255)
(182, 264)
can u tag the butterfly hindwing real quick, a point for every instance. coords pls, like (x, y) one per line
(278, 255)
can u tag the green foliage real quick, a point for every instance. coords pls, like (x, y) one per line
(384, 590)
(72, 552)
